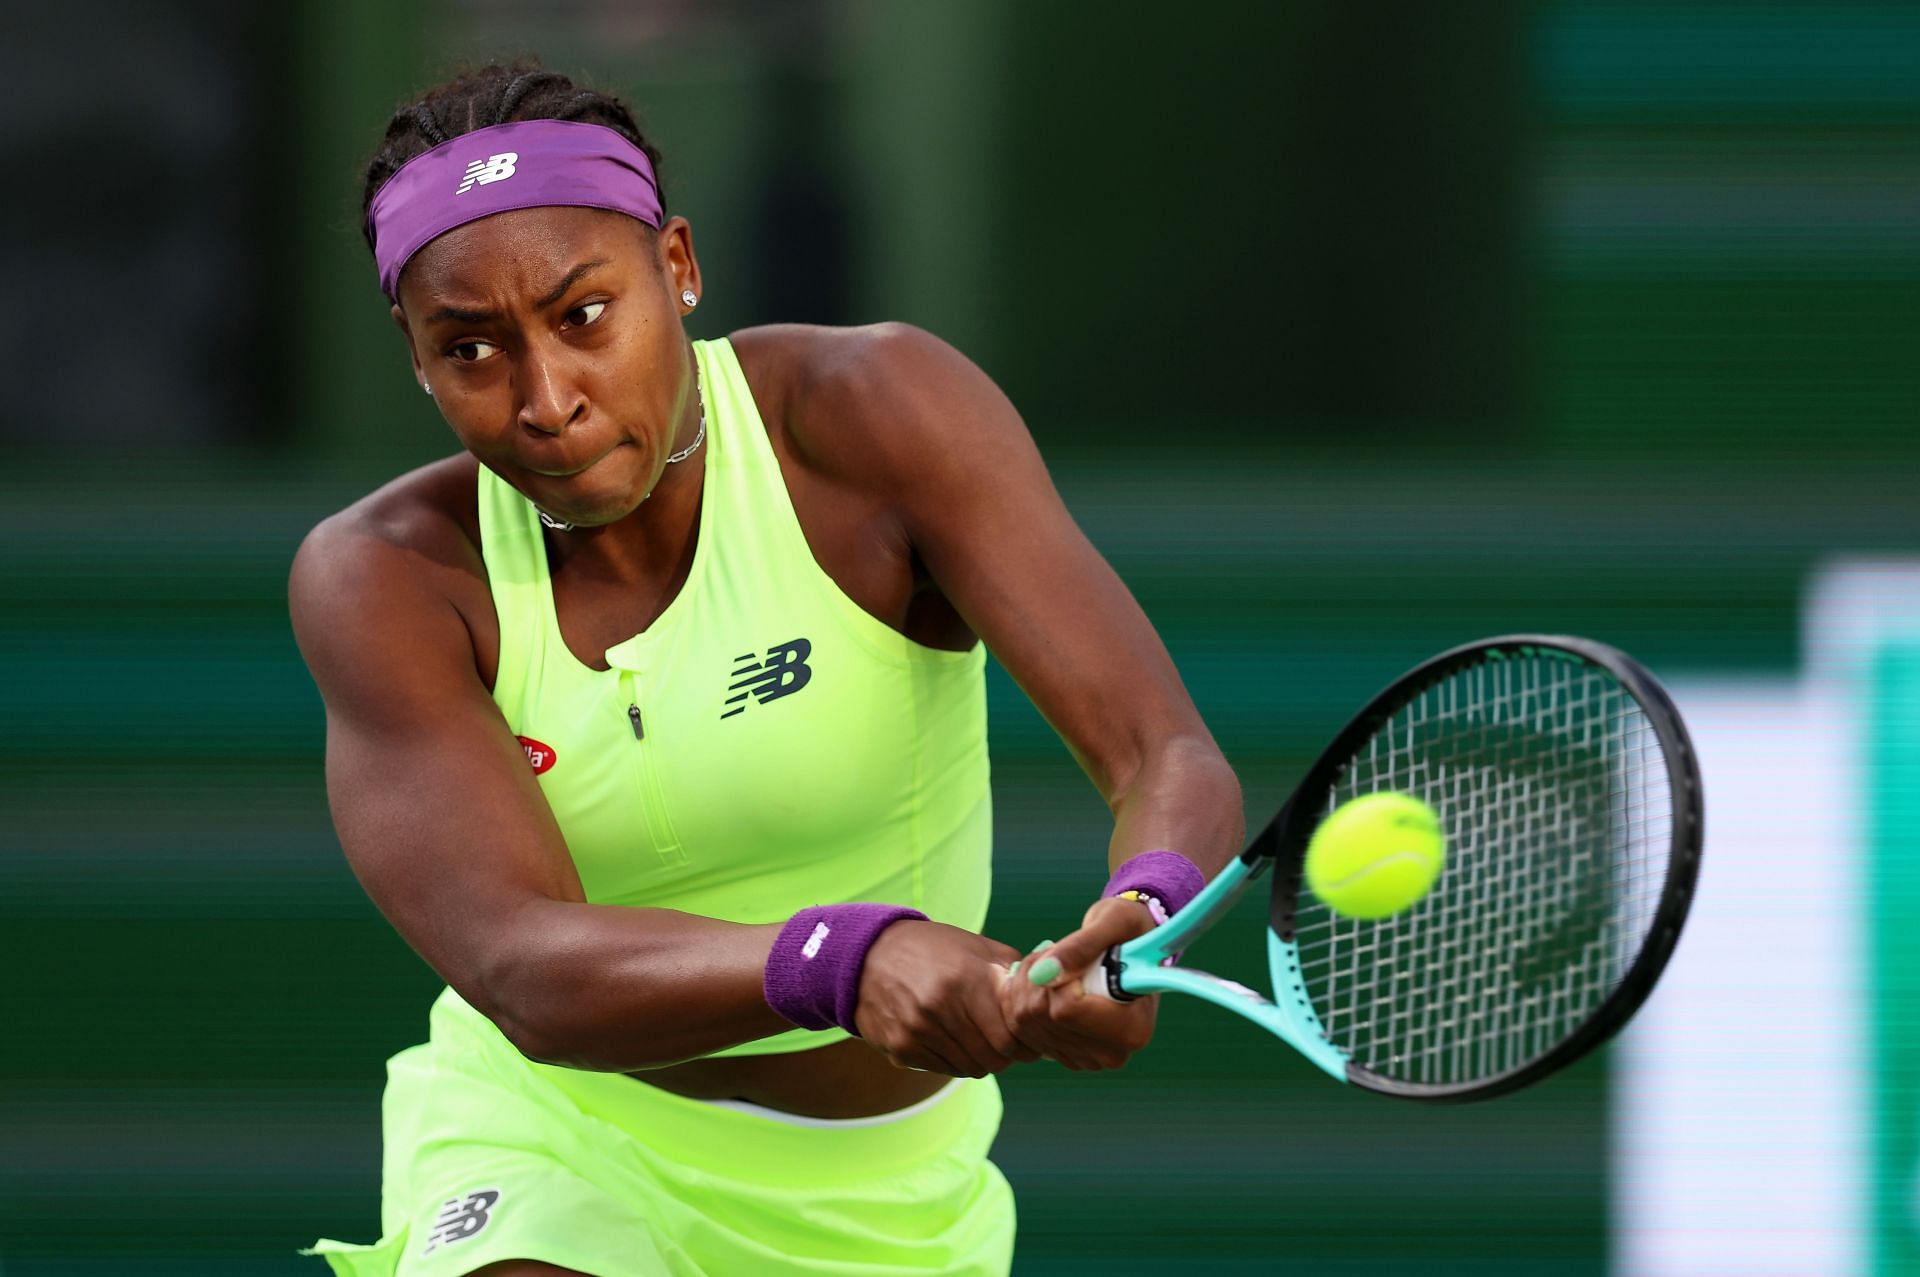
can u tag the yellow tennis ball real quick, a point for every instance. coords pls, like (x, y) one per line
(1376, 855)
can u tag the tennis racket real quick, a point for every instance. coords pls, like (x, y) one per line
(1567, 789)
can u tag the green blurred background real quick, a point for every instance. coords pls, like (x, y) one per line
(1350, 331)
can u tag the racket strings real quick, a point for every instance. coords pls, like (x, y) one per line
(1551, 787)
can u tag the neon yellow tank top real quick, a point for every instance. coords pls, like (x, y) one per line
(765, 744)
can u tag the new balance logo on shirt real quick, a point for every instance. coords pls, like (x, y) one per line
(461, 1218)
(781, 672)
(495, 168)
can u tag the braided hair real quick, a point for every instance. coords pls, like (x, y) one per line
(498, 93)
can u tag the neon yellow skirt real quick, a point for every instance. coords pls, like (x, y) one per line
(490, 1157)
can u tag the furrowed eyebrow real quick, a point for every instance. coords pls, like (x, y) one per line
(559, 290)
(573, 277)
(461, 316)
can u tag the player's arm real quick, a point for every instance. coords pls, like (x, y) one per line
(980, 511)
(449, 833)
(976, 504)
(445, 827)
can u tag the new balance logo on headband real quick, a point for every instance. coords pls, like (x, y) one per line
(495, 168)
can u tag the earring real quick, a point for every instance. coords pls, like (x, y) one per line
(688, 299)
(429, 389)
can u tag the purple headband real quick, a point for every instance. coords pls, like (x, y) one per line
(529, 164)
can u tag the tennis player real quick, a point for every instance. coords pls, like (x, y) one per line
(655, 724)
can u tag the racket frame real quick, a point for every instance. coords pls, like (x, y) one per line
(1135, 968)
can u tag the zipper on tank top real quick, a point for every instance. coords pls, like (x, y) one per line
(653, 799)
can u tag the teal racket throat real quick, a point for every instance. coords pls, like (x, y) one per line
(1141, 966)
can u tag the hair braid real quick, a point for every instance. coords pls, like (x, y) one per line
(517, 89)
(422, 114)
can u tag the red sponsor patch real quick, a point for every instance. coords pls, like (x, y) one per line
(539, 756)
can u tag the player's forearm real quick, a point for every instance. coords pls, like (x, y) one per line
(616, 989)
(1183, 797)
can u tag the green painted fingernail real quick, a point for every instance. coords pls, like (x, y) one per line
(1045, 971)
(1037, 948)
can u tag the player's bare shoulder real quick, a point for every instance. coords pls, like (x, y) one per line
(412, 544)
(874, 406)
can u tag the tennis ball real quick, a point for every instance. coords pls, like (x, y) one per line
(1376, 855)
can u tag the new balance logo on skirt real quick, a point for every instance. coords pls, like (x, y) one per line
(495, 168)
(461, 1217)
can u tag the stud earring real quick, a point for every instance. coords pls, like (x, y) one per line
(429, 389)
(688, 299)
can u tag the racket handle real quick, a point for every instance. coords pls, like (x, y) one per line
(1097, 983)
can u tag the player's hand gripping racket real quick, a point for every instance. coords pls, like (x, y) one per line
(1567, 791)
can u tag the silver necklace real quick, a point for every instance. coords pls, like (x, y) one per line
(699, 436)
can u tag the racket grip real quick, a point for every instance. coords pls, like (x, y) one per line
(1095, 984)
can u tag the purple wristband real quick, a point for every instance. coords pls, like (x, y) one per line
(813, 972)
(1166, 875)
